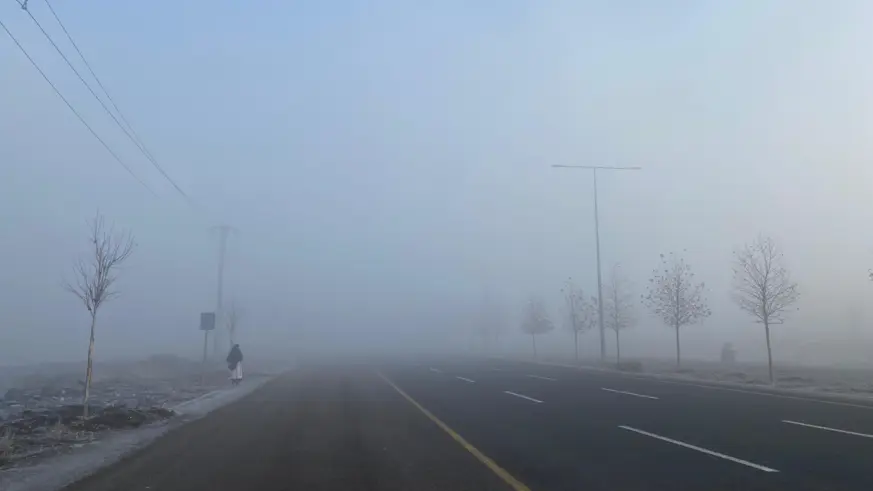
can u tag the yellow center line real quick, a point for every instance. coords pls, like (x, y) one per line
(514, 483)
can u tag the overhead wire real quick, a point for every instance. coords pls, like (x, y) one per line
(74, 110)
(136, 141)
(93, 74)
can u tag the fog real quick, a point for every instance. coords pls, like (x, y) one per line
(386, 167)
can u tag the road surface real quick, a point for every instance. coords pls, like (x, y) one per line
(464, 424)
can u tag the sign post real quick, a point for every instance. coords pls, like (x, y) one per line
(207, 323)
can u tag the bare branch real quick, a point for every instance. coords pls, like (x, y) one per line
(762, 284)
(674, 296)
(95, 276)
(581, 313)
(618, 303)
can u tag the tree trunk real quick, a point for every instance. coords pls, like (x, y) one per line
(769, 353)
(533, 338)
(89, 369)
(576, 344)
(678, 351)
(617, 349)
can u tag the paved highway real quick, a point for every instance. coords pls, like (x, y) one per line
(455, 424)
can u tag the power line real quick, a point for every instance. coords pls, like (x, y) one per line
(73, 109)
(91, 70)
(136, 136)
(135, 141)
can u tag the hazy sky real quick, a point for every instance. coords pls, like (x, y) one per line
(387, 162)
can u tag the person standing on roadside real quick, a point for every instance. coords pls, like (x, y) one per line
(234, 364)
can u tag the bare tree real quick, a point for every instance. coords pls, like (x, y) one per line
(581, 313)
(95, 276)
(232, 319)
(674, 296)
(618, 307)
(763, 286)
(536, 321)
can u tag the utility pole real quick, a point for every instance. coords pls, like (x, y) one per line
(223, 233)
(594, 169)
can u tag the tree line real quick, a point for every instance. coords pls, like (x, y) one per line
(761, 286)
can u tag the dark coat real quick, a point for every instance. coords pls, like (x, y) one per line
(234, 357)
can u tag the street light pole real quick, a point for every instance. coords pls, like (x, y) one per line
(594, 169)
(599, 275)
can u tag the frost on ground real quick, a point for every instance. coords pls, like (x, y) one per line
(41, 410)
(854, 381)
(44, 443)
(56, 472)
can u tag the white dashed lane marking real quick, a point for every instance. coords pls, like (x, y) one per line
(628, 393)
(835, 430)
(523, 396)
(700, 449)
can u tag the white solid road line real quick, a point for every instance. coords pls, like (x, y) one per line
(543, 378)
(847, 432)
(700, 449)
(465, 379)
(434, 370)
(523, 397)
(628, 393)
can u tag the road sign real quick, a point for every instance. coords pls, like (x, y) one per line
(207, 321)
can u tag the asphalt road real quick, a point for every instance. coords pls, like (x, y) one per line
(605, 431)
(318, 428)
(457, 424)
